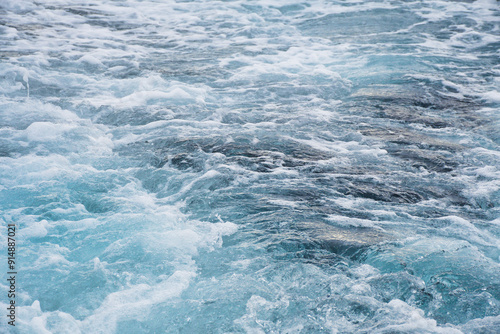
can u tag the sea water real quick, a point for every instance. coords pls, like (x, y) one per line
(266, 166)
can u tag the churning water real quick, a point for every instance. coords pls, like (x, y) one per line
(267, 166)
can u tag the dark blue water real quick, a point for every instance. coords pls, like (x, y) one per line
(251, 166)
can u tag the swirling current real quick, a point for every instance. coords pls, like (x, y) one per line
(260, 166)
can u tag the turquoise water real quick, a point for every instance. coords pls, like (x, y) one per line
(251, 166)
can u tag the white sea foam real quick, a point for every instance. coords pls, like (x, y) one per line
(132, 133)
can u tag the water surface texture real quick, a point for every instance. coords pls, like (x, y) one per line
(260, 166)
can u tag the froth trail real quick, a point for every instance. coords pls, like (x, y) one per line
(251, 166)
